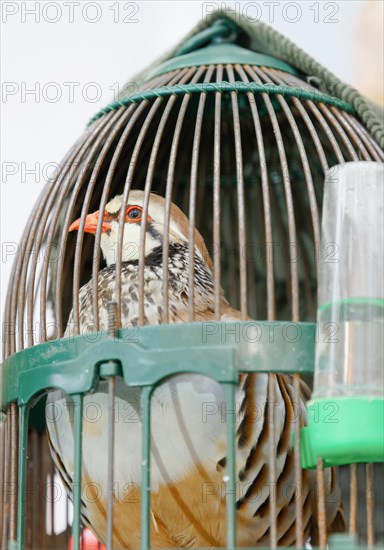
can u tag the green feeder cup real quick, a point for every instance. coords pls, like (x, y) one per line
(346, 413)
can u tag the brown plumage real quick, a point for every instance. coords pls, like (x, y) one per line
(187, 449)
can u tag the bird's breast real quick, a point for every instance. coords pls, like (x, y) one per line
(152, 296)
(187, 428)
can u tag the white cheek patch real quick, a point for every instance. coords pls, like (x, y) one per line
(110, 243)
(131, 243)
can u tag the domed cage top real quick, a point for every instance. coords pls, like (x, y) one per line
(240, 141)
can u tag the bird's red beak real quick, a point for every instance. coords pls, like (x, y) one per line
(90, 224)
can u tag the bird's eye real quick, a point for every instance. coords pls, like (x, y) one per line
(133, 214)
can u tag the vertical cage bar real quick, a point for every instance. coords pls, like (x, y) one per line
(13, 470)
(78, 442)
(103, 201)
(321, 512)
(87, 157)
(46, 466)
(216, 198)
(108, 180)
(297, 466)
(9, 337)
(270, 289)
(112, 310)
(314, 135)
(240, 198)
(168, 194)
(369, 494)
(353, 500)
(11, 304)
(22, 477)
(266, 198)
(22, 270)
(328, 132)
(168, 200)
(254, 72)
(372, 146)
(311, 190)
(308, 122)
(272, 460)
(351, 133)
(161, 80)
(192, 206)
(47, 204)
(47, 223)
(365, 137)
(20, 267)
(29, 496)
(111, 456)
(7, 460)
(145, 401)
(104, 142)
(148, 185)
(229, 231)
(147, 191)
(335, 123)
(76, 173)
(52, 503)
(230, 486)
(127, 188)
(36, 519)
(305, 164)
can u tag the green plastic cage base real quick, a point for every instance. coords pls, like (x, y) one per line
(147, 355)
(343, 541)
(343, 430)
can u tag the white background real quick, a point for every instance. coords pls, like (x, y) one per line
(57, 42)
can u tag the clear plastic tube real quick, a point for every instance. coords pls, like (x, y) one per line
(349, 351)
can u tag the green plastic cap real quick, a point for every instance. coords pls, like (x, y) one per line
(346, 430)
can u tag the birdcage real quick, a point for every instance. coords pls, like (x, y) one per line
(237, 127)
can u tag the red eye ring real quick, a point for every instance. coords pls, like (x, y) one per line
(133, 214)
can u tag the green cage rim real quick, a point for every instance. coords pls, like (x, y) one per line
(150, 354)
(224, 87)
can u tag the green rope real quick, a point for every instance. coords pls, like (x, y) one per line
(224, 87)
